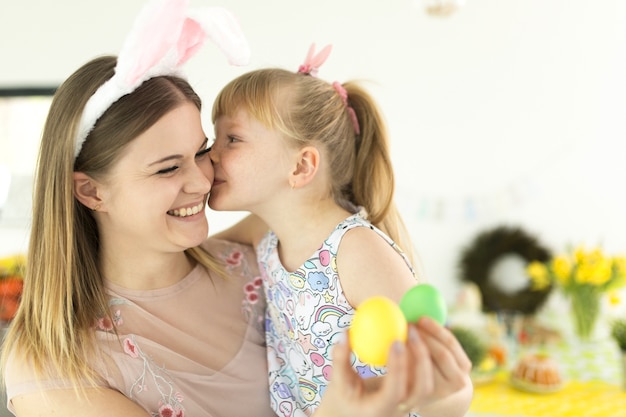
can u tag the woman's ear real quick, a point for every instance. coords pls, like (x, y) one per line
(308, 163)
(86, 191)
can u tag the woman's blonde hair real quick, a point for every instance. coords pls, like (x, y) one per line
(308, 110)
(64, 292)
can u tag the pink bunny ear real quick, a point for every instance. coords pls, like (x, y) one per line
(164, 36)
(313, 62)
(191, 39)
(154, 33)
(222, 27)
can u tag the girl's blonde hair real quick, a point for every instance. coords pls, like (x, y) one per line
(64, 292)
(308, 110)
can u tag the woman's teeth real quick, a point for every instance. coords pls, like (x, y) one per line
(184, 212)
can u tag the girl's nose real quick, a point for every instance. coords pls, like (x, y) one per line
(213, 154)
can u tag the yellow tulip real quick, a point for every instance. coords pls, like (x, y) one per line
(595, 255)
(539, 275)
(580, 254)
(562, 268)
(596, 272)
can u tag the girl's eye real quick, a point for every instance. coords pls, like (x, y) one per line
(232, 139)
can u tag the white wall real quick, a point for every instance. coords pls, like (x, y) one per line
(506, 112)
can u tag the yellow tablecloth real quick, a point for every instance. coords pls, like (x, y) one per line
(576, 399)
(593, 386)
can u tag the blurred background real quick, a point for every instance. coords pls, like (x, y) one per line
(504, 115)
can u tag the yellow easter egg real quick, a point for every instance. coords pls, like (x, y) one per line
(377, 323)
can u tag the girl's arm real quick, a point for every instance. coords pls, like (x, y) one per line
(440, 384)
(93, 402)
(368, 265)
(247, 231)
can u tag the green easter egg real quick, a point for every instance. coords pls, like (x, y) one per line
(424, 300)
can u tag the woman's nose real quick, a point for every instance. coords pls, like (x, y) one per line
(201, 178)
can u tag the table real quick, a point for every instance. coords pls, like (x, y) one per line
(593, 386)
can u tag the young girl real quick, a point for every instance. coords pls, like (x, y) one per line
(310, 161)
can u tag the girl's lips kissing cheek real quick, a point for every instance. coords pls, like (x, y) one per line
(187, 211)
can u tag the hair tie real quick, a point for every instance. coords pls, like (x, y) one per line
(164, 36)
(344, 97)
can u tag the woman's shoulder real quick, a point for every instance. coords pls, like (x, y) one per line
(18, 372)
(21, 378)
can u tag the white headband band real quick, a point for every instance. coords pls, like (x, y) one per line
(164, 36)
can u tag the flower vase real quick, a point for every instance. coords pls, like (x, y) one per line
(585, 304)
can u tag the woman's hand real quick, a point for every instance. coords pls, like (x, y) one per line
(428, 375)
(349, 395)
(451, 391)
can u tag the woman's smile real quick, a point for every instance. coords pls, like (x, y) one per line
(187, 211)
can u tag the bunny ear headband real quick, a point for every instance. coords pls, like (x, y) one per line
(164, 36)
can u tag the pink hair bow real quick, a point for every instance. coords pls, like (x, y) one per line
(313, 62)
(164, 36)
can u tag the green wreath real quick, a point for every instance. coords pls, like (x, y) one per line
(478, 258)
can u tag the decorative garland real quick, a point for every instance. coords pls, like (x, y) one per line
(478, 258)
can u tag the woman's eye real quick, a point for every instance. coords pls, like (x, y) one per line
(168, 170)
(203, 152)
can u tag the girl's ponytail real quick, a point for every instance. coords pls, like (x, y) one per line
(373, 182)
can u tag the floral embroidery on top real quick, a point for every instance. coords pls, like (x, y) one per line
(130, 348)
(236, 261)
(253, 289)
(105, 324)
(157, 377)
(166, 410)
(234, 258)
(151, 375)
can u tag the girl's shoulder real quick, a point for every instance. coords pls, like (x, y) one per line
(360, 225)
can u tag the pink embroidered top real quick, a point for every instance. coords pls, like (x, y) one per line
(193, 349)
